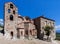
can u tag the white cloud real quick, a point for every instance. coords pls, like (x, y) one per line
(57, 27)
(1, 21)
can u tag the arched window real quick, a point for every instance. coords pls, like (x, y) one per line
(11, 6)
(13, 11)
(11, 17)
(9, 10)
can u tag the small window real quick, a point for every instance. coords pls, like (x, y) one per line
(45, 22)
(14, 12)
(9, 10)
(11, 6)
(53, 24)
(11, 17)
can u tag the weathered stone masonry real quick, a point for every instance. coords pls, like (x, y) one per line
(40, 23)
(16, 26)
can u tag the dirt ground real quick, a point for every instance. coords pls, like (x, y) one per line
(3, 40)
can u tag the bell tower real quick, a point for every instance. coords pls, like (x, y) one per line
(10, 18)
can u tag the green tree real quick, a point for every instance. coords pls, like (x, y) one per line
(48, 30)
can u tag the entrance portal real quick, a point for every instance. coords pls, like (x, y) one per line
(26, 34)
(11, 34)
(18, 33)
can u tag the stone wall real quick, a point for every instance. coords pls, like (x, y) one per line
(40, 23)
(10, 18)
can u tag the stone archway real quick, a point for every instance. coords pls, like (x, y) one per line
(11, 33)
(26, 34)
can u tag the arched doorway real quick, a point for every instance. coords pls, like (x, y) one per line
(18, 33)
(11, 34)
(26, 34)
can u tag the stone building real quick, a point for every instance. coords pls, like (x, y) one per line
(16, 26)
(40, 23)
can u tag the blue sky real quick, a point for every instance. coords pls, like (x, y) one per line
(35, 8)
